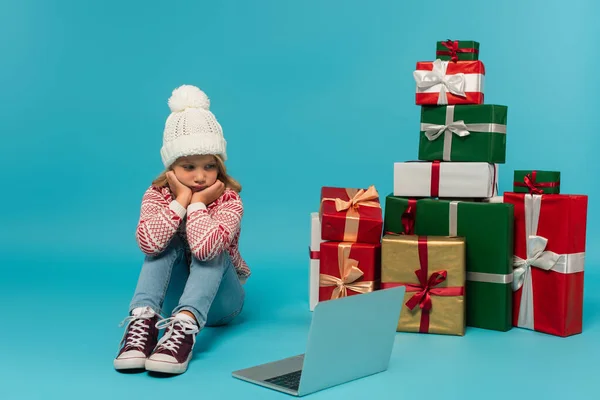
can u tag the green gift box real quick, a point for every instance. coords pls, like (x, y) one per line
(536, 182)
(463, 133)
(400, 213)
(457, 50)
(488, 229)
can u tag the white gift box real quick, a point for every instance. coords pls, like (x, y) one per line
(314, 271)
(446, 179)
(495, 199)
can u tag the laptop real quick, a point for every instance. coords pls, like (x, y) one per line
(349, 338)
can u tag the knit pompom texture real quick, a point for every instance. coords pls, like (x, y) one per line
(188, 96)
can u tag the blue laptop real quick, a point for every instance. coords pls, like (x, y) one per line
(337, 325)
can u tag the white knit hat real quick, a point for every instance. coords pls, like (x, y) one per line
(191, 129)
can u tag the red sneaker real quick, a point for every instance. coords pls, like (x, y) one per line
(174, 350)
(140, 337)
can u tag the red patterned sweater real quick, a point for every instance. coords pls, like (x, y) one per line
(207, 231)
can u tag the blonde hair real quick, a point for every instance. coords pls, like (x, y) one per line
(161, 180)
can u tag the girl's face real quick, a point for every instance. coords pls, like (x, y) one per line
(196, 172)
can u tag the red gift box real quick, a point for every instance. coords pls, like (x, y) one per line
(550, 232)
(351, 215)
(348, 269)
(444, 82)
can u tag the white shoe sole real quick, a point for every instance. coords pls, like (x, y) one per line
(129, 363)
(167, 367)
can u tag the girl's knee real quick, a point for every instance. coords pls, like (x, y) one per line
(174, 249)
(227, 319)
(219, 260)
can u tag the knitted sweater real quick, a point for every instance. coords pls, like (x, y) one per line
(206, 232)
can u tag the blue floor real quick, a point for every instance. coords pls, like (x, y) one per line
(59, 335)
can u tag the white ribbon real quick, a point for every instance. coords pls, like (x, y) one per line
(454, 84)
(570, 263)
(536, 257)
(451, 126)
(539, 257)
(433, 131)
(453, 218)
(489, 278)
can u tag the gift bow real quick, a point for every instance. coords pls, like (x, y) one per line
(536, 257)
(452, 46)
(357, 198)
(457, 127)
(530, 182)
(360, 198)
(349, 273)
(423, 297)
(454, 84)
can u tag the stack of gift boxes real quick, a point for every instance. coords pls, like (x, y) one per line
(465, 256)
(345, 244)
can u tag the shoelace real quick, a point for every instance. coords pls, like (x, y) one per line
(172, 338)
(137, 330)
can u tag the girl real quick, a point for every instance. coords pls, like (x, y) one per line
(190, 218)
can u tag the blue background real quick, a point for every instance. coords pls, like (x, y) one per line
(309, 94)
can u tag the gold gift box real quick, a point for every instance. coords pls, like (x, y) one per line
(399, 261)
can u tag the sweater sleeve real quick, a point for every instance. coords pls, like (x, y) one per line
(158, 223)
(209, 234)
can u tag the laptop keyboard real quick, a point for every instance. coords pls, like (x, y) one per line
(290, 381)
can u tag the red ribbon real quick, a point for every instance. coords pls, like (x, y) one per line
(453, 50)
(435, 179)
(426, 287)
(408, 218)
(314, 255)
(529, 181)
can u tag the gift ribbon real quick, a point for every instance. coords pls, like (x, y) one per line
(453, 218)
(539, 257)
(356, 199)
(437, 77)
(434, 189)
(314, 255)
(408, 217)
(459, 128)
(349, 275)
(453, 50)
(426, 287)
(489, 278)
(529, 181)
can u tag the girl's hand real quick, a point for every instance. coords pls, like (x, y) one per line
(210, 194)
(182, 193)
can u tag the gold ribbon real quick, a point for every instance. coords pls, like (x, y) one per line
(357, 198)
(349, 274)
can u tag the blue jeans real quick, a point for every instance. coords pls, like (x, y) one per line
(211, 290)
